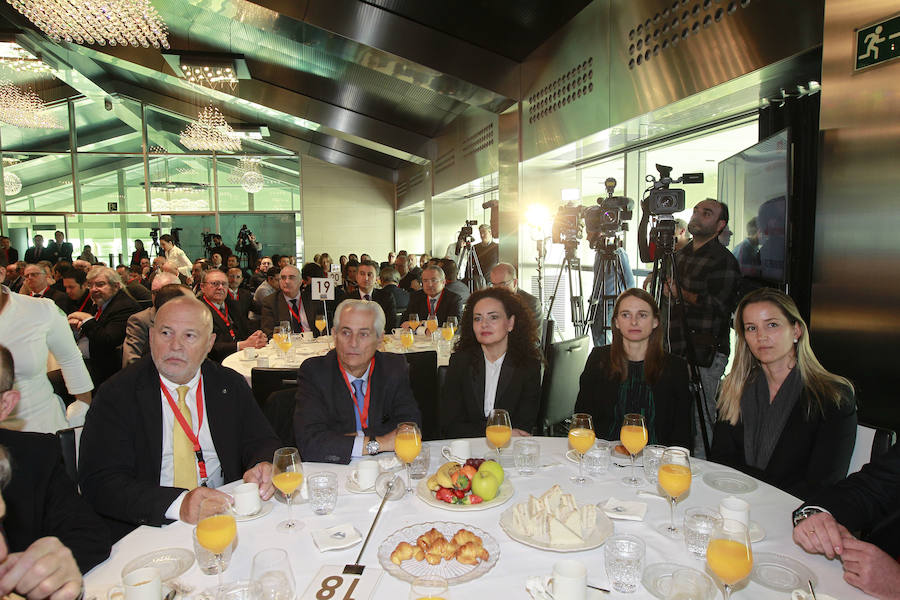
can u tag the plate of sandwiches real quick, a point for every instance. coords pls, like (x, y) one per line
(556, 522)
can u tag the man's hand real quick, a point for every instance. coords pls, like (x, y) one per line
(46, 569)
(520, 433)
(870, 569)
(386, 441)
(821, 534)
(79, 316)
(190, 506)
(256, 340)
(262, 475)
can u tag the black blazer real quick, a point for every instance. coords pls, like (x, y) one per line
(275, 309)
(121, 446)
(462, 402)
(58, 251)
(136, 257)
(598, 395)
(106, 336)
(41, 501)
(325, 412)
(385, 300)
(450, 305)
(59, 298)
(812, 453)
(401, 296)
(226, 344)
(244, 301)
(34, 255)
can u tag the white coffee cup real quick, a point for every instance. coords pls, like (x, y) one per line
(569, 581)
(308, 336)
(262, 362)
(250, 353)
(735, 509)
(458, 450)
(246, 499)
(366, 472)
(140, 584)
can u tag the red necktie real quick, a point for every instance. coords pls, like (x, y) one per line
(99, 312)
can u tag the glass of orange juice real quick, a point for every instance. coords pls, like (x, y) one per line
(414, 321)
(729, 555)
(674, 477)
(634, 438)
(407, 339)
(498, 429)
(407, 445)
(432, 587)
(287, 476)
(581, 437)
(216, 530)
(431, 324)
(321, 323)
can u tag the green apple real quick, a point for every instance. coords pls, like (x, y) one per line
(484, 484)
(492, 467)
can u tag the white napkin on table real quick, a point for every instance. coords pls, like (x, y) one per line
(537, 587)
(336, 538)
(627, 510)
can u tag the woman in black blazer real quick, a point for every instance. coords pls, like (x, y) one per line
(497, 332)
(782, 417)
(138, 253)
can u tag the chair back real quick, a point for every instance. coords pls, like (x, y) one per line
(69, 440)
(279, 410)
(559, 388)
(871, 442)
(423, 380)
(265, 381)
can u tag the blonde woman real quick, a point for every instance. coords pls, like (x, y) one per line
(783, 418)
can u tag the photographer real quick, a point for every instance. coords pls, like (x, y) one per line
(247, 245)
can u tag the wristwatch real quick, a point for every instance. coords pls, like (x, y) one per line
(372, 446)
(804, 512)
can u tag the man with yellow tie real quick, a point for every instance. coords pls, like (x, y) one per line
(164, 432)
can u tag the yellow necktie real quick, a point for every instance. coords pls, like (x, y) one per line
(182, 448)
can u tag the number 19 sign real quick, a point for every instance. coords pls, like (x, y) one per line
(321, 288)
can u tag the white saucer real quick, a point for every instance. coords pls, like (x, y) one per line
(354, 488)
(264, 509)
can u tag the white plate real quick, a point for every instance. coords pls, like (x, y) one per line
(171, 562)
(603, 530)
(264, 509)
(354, 488)
(657, 578)
(779, 572)
(452, 571)
(427, 496)
(730, 482)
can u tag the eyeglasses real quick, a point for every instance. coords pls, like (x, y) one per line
(217, 283)
(501, 284)
(432, 281)
(97, 284)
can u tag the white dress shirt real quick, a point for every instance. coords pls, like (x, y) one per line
(491, 379)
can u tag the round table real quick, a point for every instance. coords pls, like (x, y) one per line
(770, 507)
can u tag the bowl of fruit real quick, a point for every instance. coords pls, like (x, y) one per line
(477, 484)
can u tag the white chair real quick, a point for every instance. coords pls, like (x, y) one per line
(870, 442)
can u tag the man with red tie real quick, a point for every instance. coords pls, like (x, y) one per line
(36, 278)
(293, 304)
(229, 326)
(77, 292)
(433, 299)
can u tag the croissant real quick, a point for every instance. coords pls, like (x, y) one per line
(428, 538)
(463, 536)
(471, 553)
(403, 551)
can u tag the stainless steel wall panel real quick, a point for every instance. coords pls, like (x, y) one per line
(466, 150)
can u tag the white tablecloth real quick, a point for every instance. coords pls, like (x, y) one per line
(770, 507)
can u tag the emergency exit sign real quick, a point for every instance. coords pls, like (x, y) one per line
(878, 43)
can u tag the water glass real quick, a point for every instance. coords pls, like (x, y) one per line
(624, 556)
(429, 587)
(687, 584)
(699, 522)
(598, 459)
(271, 577)
(418, 468)
(652, 456)
(323, 488)
(527, 456)
(206, 560)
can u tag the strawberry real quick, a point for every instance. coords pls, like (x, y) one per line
(445, 495)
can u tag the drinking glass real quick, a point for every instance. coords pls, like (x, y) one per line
(323, 488)
(216, 530)
(287, 476)
(283, 341)
(688, 584)
(527, 455)
(321, 322)
(418, 468)
(624, 557)
(652, 455)
(674, 477)
(729, 555)
(407, 445)
(699, 522)
(271, 577)
(407, 339)
(581, 437)
(447, 331)
(498, 429)
(634, 438)
(597, 459)
(432, 587)
(431, 324)
(414, 321)
(206, 560)
(452, 322)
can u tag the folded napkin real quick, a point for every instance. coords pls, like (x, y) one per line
(388, 462)
(336, 538)
(538, 587)
(627, 510)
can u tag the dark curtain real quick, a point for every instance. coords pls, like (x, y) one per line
(801, 116)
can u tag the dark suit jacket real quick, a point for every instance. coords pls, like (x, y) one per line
(325, 409)
(121, 447)
(74, 305)
(225, 343)
(41, 501)
(459, 288)
(59, 298)
(462, 402)
(401, 297)
(450, 305)
(59, 251)
(244, 301)
(10, 256)
(34, 255)
(812, 453)
(275, 309)
(136, 257)
(106, 336)
(406, 281)
(385, 300)
(139, 292)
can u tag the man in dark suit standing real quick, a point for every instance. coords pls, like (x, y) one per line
(366, 275)
(229, 326)
(350, 401)
(292, 304)
(59, 249)
(433, 299)
(166, 431)
(8, 254)
(37, 252)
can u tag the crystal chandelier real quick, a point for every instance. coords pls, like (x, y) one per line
(210, 132)
(12, 185)
(252, 182)
(113, 22)
(24, 108)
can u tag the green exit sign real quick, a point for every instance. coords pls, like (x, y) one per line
(878, 43)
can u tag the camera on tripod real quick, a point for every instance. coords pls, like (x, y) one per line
(243, 238)
(567, 225)
(154, 235)
(465, 232)
(607, 221)
(663, 201)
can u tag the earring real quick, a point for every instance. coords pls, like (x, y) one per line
(795, 340)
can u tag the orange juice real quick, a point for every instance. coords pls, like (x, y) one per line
(278, 338)
(320, 325)
(414, 324)
(498, 435)
(431, 325)
(634, 438)
(731, 561)
(407, 446)
(675, 479)
(287, 482)
(284, 342)
(216, 533)
(407, 339)
(447, 333)
(581, 439)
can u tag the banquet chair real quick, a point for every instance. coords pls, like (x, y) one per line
(279, 411)
(423, 380)
(68, 445)
(559, 388)
(265, 380)
(871, 442)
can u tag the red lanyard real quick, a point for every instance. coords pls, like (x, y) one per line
(436, 306)
(83, 304)
(221, 316)
(296, 315)
(201, 464)
(364, 413)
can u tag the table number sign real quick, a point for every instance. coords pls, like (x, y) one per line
(331, 583)
(321, 288)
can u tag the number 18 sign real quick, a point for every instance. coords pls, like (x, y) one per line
(331, 583)
(321, 288)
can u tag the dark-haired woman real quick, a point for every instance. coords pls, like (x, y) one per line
(635, 375)
(496, 364)
(783, 417)
(138, 253)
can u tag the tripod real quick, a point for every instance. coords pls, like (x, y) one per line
(570, 263)
(602, 299)
(472, 265)
(665, 269)
(154, 246)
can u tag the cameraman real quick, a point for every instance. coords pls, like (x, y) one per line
(709, 276)
(219, 248)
